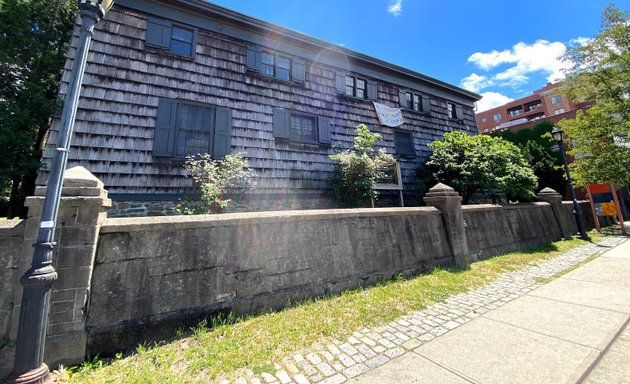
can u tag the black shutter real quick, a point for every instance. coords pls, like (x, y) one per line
(298, 70)
(281, 124)
(158, 33)
(372, 90)
(323, 127)
(222, 133)
(402, 99)
(254, 57)
(340, 83)
(426, 104)
(164, 134)
(459, 112)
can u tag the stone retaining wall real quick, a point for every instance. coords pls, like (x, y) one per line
(125, 280)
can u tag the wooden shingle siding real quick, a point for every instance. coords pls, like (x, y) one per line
(125, 80)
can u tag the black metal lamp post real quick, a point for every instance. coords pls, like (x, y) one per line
(29, 364)
(557, 134)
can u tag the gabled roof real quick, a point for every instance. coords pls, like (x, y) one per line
(197, 8)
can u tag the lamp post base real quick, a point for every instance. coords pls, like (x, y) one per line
(34, 376)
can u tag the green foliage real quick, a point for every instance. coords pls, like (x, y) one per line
(358, 168)
(601, 73)
(33, 46)
(219, 181)
(472, 164)
(537, 147)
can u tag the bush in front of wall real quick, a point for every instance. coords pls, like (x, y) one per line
(358, 168)
(220, 182)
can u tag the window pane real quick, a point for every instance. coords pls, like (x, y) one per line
(303, 128)
(267, 69)
(403, 143)
(416, 102)
(267, 58)
(284, 62)
(283, 74)
(193, 130)
(350, 81)
(181, 48)
(192, 142)
(181, 34)
(360, 84)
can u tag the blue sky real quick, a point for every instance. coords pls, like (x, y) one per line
(500, 49)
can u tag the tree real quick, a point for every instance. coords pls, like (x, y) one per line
(600, 72)
(472, 164)
(359, 167)
(537, 147)
(33, 47)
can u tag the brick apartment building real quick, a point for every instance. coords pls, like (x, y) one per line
(546, 103)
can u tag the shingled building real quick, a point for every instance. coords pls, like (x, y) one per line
(169, 78)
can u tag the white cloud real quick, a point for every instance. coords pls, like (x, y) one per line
(490, 100)
(395, 7)
(475, 82)
(540, 57)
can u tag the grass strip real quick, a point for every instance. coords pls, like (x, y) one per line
(226, 344)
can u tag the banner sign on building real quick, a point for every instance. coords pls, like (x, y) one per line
(391, 117)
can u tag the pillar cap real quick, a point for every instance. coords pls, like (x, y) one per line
(441, 189)
(547, 192)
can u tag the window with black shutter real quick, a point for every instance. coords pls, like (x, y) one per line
(356, 87)
(300, 127)
(414, 101)
(273, 64)
(170, 37)
(187, 129)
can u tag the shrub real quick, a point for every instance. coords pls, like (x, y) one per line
(358, 168)
(219, 181)
(480, 163)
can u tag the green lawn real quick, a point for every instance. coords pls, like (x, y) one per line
(227, 344)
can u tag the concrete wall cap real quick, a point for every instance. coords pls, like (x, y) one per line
(153, 223)
(440, 189)
(80, 177)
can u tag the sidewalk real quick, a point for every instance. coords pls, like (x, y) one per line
(569, 330)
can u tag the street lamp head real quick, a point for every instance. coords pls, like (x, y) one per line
(557, 134)
(99, 7)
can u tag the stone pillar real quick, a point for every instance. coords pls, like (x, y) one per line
(449, 202)
(82, 209)
(554, 199)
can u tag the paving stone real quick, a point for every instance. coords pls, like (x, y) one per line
(377, 361)
(359, 358)
(313, 358)
(333, 349)
(348, 349)
(392, 353)
(301, 379)
(325, 369)
(327, 355)
(283, 376)
(379, 349)
(355, 370)
(346, 360)
(337, 379)
(268, 378)
(368, 341)
(412, 344)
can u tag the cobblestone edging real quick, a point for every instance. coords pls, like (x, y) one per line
(338, 361)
